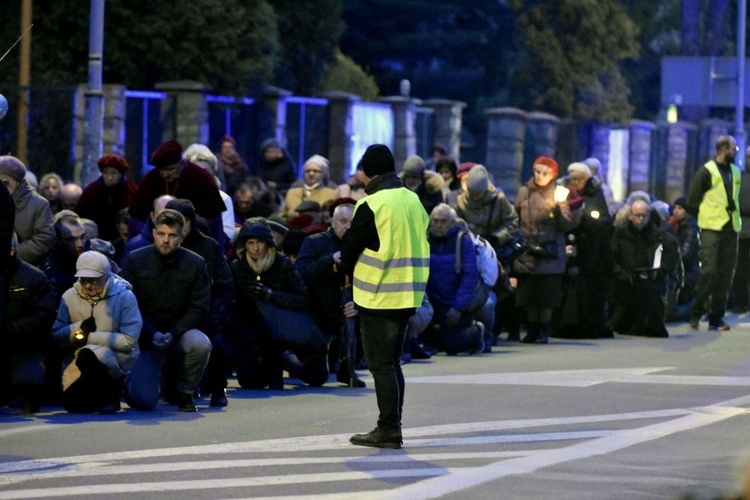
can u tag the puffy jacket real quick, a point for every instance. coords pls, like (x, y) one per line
(118, 324)
(444, 286)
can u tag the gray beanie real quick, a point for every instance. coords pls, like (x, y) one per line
(414, 165)
(478, 180)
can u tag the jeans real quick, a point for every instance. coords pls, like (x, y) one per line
(191, 353)
(382, 342)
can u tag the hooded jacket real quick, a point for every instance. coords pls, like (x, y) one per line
(118, 325)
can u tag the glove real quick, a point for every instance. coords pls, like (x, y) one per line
(547, 250)
(259, 291)
(88, 325)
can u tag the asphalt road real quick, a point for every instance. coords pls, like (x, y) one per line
(623, 418)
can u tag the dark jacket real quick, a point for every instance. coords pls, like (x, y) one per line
(745, 203)
(173, 291)
(144, 238)
(592, 236)
(323, 279)
(60, 268)
(444, 286)
(194, 184)
(7, 218)
(543, 221)
(30, 309)
(281, 171)
(288, 287)
(492, 216)
(222, 290)
(101, 204)
(634, 250)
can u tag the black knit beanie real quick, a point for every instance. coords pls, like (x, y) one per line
(377, 160)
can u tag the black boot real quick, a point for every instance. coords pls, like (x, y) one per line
(416, 350)
(343, 376)
(532, 333)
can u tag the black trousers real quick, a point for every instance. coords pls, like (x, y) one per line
(382, 342)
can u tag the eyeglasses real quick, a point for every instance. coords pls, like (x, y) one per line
(90, 281)
(312, 171)
(639, 216)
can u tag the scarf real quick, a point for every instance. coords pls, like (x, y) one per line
(264, 263)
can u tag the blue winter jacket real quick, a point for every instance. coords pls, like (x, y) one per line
(444, 286)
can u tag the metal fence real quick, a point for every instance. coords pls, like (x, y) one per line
(50, 128)
(306, 128)
(238, 117)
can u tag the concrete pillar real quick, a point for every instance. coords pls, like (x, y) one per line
(404, 132)
(113, 132)
(668, 181)
(506, 130)
(448, 119)
(184, 114)
(340, 132)
(599, 146)
(541, 140)
(637, 172)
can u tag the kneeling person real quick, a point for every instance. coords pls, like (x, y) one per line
(98, 325)
(173, 291)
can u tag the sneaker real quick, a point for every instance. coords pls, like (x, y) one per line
(694, 322)
(378, 438)
(478, 344)
(720, 326)
(186, 403)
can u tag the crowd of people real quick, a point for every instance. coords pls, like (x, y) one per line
(212, 267)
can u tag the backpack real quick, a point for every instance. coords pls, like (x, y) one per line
(486, 258)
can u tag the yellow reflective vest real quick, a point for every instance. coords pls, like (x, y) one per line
(712, 212)
(394, 277)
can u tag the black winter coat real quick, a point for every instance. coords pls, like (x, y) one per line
(287, 286)
(173, 292)
(30, 309)
(315, 264)
(222, 289)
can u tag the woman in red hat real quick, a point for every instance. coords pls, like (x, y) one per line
(545, 215)
(105, 197)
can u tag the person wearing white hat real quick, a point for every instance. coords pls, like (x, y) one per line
(97, 326)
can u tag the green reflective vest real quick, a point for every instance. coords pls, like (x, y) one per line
(394, 277)
(712, 212)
